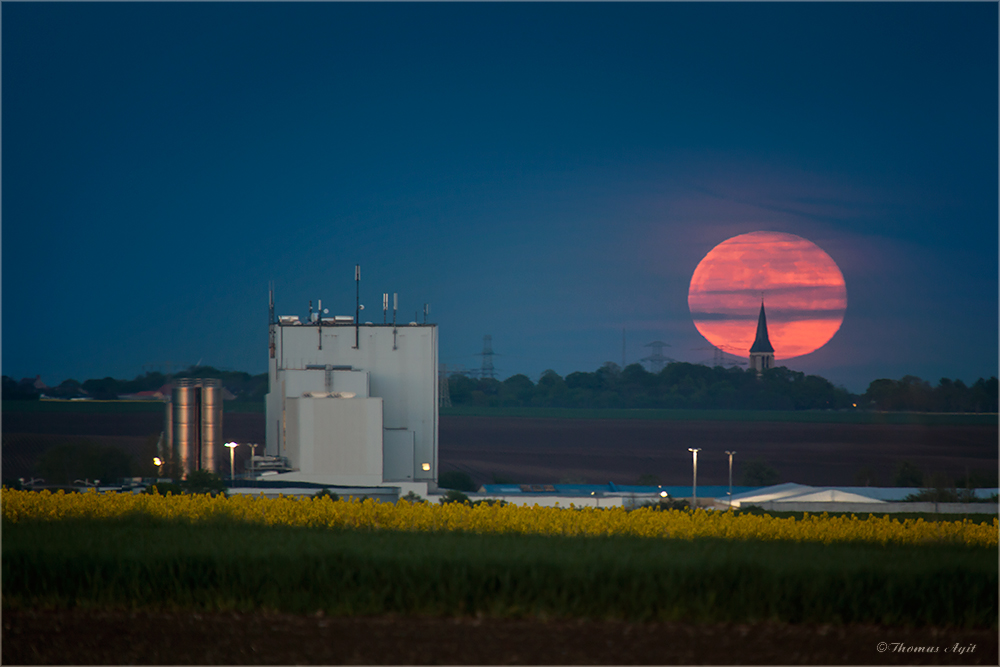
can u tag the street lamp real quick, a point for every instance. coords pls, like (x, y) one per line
(253, 449)
(232, 452)
(694, 483)
(730, 477)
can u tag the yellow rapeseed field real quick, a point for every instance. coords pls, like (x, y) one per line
(494, 519)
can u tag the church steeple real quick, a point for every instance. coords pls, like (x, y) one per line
(761, 352)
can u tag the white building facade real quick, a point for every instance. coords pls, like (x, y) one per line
(354, 405)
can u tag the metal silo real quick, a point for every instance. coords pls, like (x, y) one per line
(166, 451)
(211, 423)
(186, 425)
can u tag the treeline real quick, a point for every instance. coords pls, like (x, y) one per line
(694, 386)
(244, 387)
(677, 386)
(913, 394)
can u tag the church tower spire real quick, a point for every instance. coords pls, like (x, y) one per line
(761, 352)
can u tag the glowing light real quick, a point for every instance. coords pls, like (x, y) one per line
(802, 287)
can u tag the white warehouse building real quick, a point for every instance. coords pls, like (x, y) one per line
(354, 404)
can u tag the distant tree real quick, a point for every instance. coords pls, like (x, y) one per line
(550, 390)
(983, 396)
(454, 496)
(163, 488)
(759, 473)
(203, 481)
(412, 498)
(665, 504)
(460, 389)
(66, 389)
(907, 474)
(865, 476)
(15, 391)
(62, 464)
(517, 390)
(106, 389)
(490, 502)
(326, 493)
(146, 382)
(456, 479)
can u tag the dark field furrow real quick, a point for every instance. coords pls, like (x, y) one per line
(184, 638)
(531, 450)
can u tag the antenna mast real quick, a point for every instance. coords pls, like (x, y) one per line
(270, 317)
(357, 306)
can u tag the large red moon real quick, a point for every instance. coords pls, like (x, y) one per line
(801, 286)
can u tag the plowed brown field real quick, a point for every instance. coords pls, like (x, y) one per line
(599, 451)
(186, 638)
(596, 451)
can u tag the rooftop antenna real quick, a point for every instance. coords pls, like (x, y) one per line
(427, 310)
(395, 305)
(270, 317)
(357, 306)
(319, 308)
(385, 307)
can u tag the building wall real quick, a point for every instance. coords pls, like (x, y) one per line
(877, 508)
(761, 361)
(400, 369)
(337, 437)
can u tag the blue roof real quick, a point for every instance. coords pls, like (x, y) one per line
(610, 487)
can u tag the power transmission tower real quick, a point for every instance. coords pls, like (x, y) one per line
(444, 395)
(657, 360)
(720, 357)
(487, 354)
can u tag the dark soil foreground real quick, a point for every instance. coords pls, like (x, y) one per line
(115, 638)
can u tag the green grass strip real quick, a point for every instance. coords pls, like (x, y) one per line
(160, 564)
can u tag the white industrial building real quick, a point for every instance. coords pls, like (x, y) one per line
(353, 404)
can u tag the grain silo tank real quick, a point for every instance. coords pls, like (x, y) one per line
(211, 423)
(186, 425)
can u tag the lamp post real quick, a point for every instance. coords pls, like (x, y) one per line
(730, 477)
(232, 453)
(694, 482)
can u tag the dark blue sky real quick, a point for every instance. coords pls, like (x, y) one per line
(544, 173)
